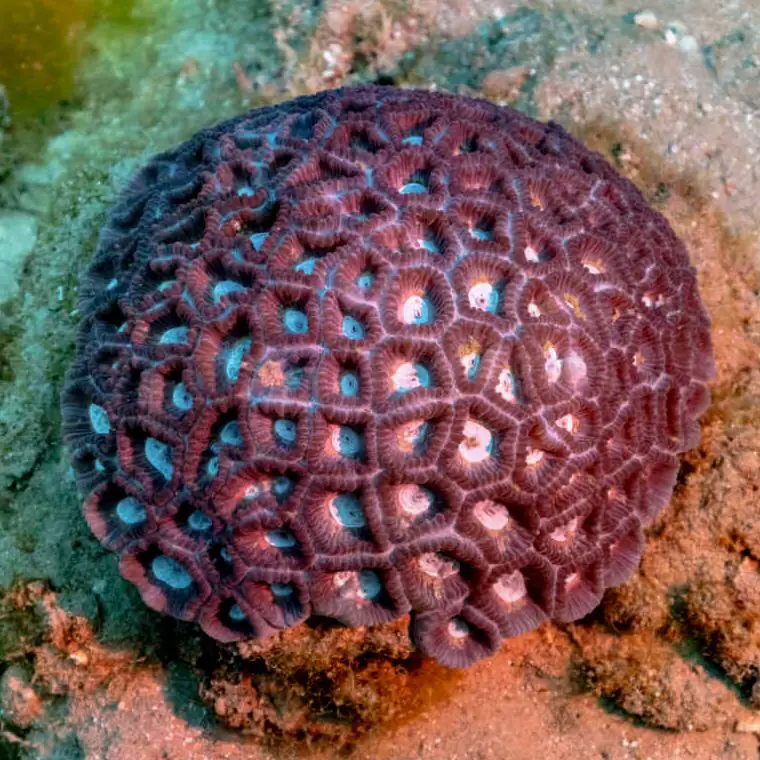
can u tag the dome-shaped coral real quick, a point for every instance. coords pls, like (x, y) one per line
(375, 352)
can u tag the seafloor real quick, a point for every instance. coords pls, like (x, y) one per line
(668, 667)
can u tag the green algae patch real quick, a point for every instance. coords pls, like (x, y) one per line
(43, 41)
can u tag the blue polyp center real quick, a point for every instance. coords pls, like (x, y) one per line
(236, 614)
(412, 140)
(295, 321)
(307, 265)
(482, 233)
(282, 590)
(130, 511)
(286, 431)
(472, 370)
(347, 511)
(413, 187)
(200, 522)
(181, 397)
(370, 585)
(281, 539)
(257, 240)
(224, 288)
(294, 377)
(349, 383)
(170, 572)
(365, 280)
(423, 375)
(231, 434)
(212, 468)
(160, 457)
(235, 359)
(282, 487)
(350, 443)
(353, 329)
(420, 434)
(429, 244)
(174, 335)
(99, 419)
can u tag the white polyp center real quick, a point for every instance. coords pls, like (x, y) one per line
(99, 419)
(280, 539)
(470, 362)
(410, 376)
(477, 443)
(614, 495)
(594, 267)
(505, 386)
(576, 371)
(160, 457)
(414, 499)
(572, 580)
(224, 288)
(552, 364)
(491, 515)
(181, 397)
(130, 511)
(564, 534)
(458, 629)
(483, 296)
(532, 255)
(568, 422)
(511, 588)
(170, 572)
(437, 565)
(254, 490)
(417, 310)
(533, 310)
(649, 300)
(346, 510)
(411, 434)
(174, 335)
(533, 457)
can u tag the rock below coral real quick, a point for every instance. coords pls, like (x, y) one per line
(647, 679)
(18, 235)
(19, 703)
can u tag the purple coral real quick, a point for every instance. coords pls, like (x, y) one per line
(379, 351)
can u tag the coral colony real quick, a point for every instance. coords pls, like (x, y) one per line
(378, 352)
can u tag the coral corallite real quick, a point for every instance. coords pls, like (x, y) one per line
(378, 352)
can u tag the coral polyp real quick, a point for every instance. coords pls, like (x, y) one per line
(377, 352)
